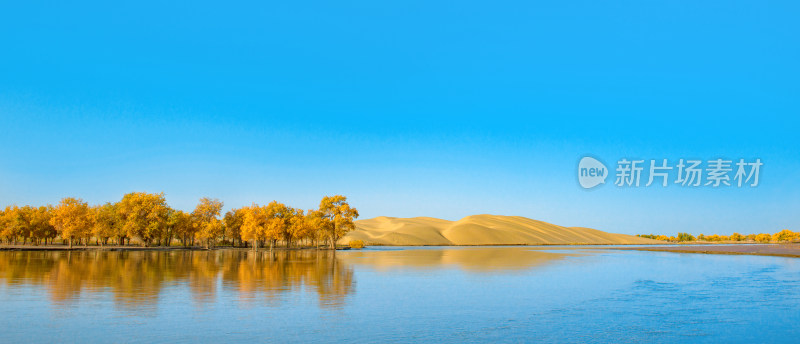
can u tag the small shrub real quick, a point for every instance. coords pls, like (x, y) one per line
(685, 237)
(785, 236)
(763, 237)
(357, 244)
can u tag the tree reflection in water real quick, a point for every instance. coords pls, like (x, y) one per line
(137, 278)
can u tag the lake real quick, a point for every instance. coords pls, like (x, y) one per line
(430, 294)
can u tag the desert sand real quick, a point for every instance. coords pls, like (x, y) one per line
(480, 230)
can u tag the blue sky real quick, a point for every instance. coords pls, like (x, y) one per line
(409, 108)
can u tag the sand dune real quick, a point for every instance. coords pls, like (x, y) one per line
(479, 230)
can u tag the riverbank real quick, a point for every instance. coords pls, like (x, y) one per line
(779, 250)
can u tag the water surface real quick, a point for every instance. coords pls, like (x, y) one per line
(507, 294)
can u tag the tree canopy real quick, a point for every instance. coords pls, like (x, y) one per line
(72, 218)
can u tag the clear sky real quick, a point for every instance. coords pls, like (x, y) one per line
(409, 108)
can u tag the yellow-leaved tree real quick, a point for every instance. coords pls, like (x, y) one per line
(41, 228)
(13, 223)
(785, 236)
(107, 222)
(25, 218)
(319, 225)
(234, 219)
(337, 217)
(301, 225)
(206, 220)
(144, 215)
(763, 237)
(278, 223)
(180, 225)
(72, 219)
(254, 223)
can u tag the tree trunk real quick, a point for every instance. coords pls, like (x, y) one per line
(333, 238)
(70, 242)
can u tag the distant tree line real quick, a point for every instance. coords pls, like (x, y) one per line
(783, 236)
(146, 218)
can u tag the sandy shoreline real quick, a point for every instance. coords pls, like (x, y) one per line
(779, 250)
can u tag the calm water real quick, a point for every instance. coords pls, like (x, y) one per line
(506, 294)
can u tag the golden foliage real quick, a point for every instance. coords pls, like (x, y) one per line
(41, 229)
(144, 215)
(254, 223)
(205, 220)
(782, 236)
(180, 225)
(357, 244)
(737, 237)
(785, 236)
(763, 237)
(233, 223)
(12, 222)
(146, 218)
(278, 223)
(106, 222)
(337, 217)
(72, 219)
(27, 223)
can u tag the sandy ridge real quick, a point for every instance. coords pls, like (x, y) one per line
(479, 230)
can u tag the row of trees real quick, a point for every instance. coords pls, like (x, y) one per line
(148, 219)
(779, 237)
